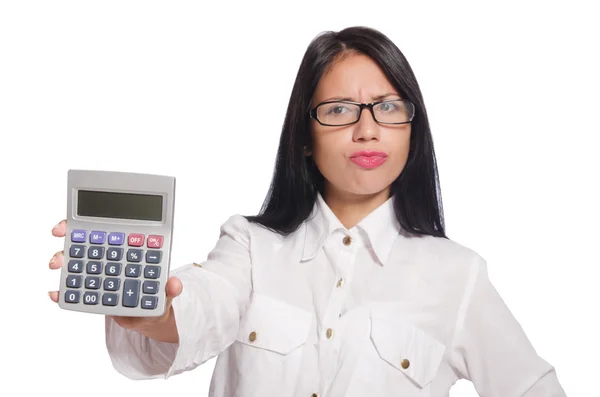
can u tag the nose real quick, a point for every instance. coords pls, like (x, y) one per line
(367, 128)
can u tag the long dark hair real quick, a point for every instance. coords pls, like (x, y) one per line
(296, 180)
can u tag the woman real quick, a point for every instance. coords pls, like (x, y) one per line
(345, 284)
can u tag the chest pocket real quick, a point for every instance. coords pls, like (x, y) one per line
(268, 349)
(401, 360)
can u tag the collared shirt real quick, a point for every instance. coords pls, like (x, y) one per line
(326, 311)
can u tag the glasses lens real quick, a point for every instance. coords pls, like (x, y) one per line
(394, 111)
(337, 113)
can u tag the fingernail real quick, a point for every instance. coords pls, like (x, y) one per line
(52, 260)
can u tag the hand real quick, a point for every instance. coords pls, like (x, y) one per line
(145, 325)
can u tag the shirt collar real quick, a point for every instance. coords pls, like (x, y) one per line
(379, 229)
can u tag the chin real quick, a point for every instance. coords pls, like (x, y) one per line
(368, 189)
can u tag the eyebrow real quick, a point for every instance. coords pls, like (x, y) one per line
(374, 98)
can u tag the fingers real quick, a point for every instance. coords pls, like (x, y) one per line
(125, 322)
(56, 261)
(60, 229)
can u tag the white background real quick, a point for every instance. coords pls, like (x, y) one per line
(200, 92)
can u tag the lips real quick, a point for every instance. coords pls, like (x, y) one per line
(368, 159)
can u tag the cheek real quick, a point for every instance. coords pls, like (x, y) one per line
(403, 147)
(328, 153)
(324, 157)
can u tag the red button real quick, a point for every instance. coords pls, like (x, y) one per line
(135, 239)
(155, 241)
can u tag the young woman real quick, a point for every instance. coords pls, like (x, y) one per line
(345, 284)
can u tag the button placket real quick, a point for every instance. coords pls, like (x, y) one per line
(330, 337)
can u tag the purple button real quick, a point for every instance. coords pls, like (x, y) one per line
(97, 237)
(116, 238)
(78, 236)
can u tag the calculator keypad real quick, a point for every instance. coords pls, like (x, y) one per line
(112, 269)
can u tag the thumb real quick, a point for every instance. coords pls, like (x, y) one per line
(173, 289)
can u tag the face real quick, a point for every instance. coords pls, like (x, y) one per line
(336, 150)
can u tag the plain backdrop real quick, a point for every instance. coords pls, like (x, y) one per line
(199, 91)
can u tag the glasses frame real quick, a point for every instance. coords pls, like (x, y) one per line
(313, 111)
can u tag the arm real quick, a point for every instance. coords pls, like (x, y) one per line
(206, 313)
(491, 349)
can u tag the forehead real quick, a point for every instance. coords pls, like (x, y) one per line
(354, 76)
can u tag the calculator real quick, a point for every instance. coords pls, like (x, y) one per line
(118, 243)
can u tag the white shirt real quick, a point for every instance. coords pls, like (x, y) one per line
(330, 312)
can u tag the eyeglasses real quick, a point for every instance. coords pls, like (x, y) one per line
(339, 113)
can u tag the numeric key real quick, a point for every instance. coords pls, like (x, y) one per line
(90, 298)
(74, 281)
(112, 269)
(94, 267)
(72, 296)
(96, 252)
(92, 282)
(75, 266)
(112, 284)
(77, 251)
(114, 254)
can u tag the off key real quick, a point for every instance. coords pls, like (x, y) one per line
(135, 239)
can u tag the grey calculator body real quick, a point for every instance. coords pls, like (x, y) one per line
(118, 243)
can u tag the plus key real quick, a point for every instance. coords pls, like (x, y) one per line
(135, 240)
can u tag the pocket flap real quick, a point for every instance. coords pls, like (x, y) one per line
(273, 324)
(406, 347)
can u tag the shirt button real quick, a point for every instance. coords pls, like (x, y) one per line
(405, 363)
(315, 395)
(340, 283)
(329, 333)
(252, 336)
(347, 240)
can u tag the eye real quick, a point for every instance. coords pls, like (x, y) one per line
(387, 107)
(337, 109)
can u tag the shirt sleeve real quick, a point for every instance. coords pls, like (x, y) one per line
(215, 294)
(491, 349)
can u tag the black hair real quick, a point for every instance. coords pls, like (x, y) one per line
(296, 180)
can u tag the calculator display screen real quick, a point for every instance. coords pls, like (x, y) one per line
(143, 207)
